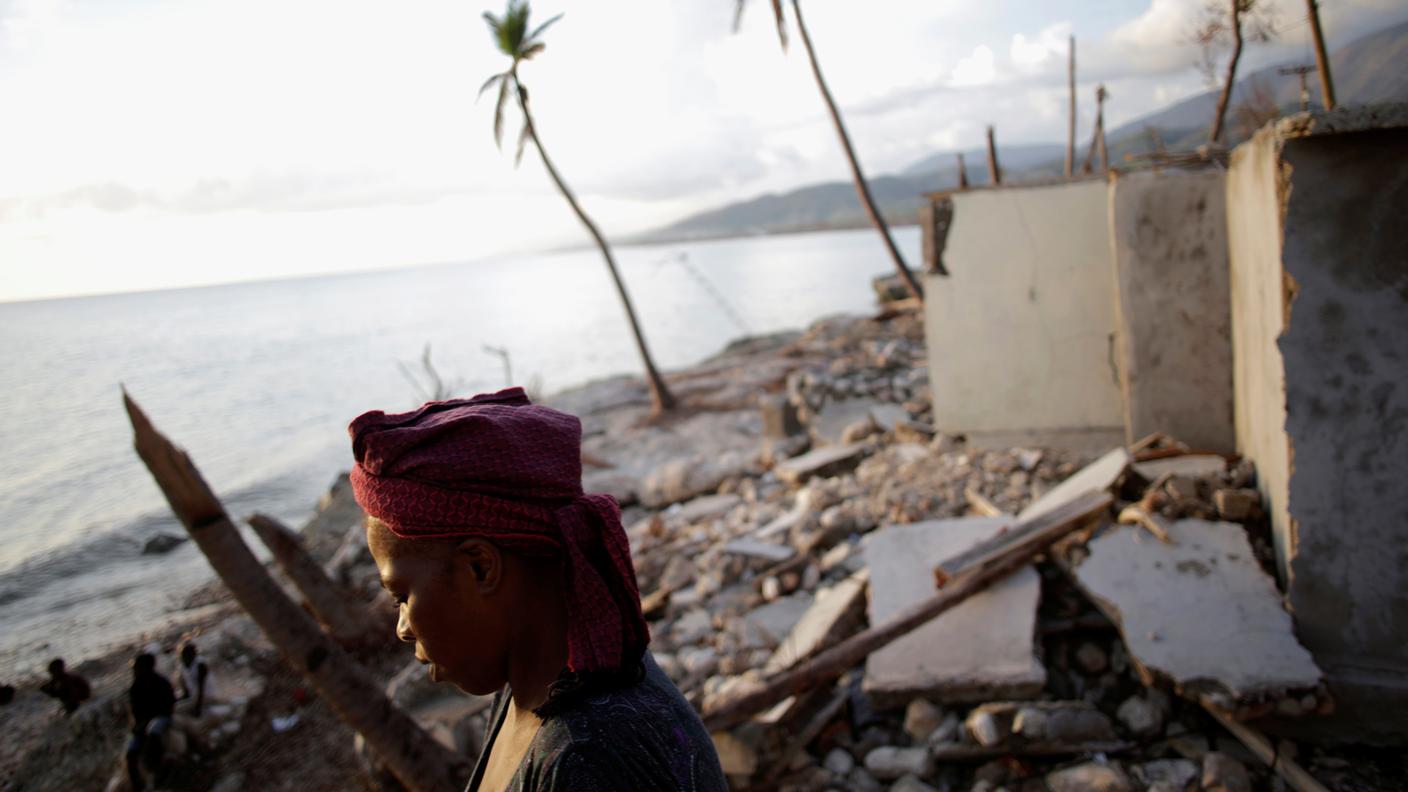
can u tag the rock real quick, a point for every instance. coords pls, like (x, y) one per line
(692, 626)
(986, 728)
(1091, 659)
(1237, 504)
(911, 784)
(839, 761)
(682, 479)
(921, 718)
(1089, 777)
(822, 461)
(1182, 487)
(946, 732)
(234, 782)
(756, 549)
(1030, 723)
(1144, 716)
(861, 781)
(699, 660)
(1067, 722)
(162, 543)
(1172, 774)
(707, 507)
(1029, 458)
(1222, 773)
(737, 757)
(858, 431)
(779, 417)
(888, 762)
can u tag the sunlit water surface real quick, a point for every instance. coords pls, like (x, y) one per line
(258, 381)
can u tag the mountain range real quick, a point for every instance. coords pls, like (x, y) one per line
(1373, 68)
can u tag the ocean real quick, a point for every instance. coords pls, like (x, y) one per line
(257, 381)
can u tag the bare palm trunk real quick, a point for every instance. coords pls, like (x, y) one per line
(417, 760)
(1226, 96)
(660, 394)
(862, 187)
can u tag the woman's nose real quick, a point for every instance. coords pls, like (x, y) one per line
(403, 627)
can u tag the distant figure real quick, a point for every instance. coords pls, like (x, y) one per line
(70, 689)
(195, 679)
(7, 694)
(152, 700)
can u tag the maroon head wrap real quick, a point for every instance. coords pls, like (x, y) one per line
(500, 467)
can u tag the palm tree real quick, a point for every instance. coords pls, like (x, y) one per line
(862, 187)
(512, 37)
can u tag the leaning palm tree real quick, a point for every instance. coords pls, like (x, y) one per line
(862, 187)
(512, 37)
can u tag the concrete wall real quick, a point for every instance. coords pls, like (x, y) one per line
(1021, 332)
(1320, 291)
(1168, 232)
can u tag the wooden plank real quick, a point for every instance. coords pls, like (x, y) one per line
(1256, 742)
(828, 664)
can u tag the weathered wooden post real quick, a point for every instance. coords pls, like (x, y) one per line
(994, 172)
(416, 759)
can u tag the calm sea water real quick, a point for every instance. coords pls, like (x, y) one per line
(258, 381)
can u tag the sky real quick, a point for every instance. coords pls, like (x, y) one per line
(162, 143)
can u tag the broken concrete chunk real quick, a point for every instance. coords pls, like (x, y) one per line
(1192, 465)
(831, 422)
(1098, 476)
(707, 507)
(911, 783)
(834, 614)
(921, 718)
(818, 462)
(1046, 722)
(1144, 714)
(1222, 773)
(981, 649)
(1236, 504)
(779, 417)
(755, 549)
(889, 762)
(1172, 774)
(1089, 777)
(1199, 612)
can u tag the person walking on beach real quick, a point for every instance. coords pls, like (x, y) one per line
(511, 580)
(152, 700)
(195, 679)
(70, 689)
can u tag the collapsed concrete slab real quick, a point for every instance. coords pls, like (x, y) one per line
(1098, 476)
(819, 462)
(982, 649)
(834, 613)
(1200, 613)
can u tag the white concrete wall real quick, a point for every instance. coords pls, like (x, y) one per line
(1021, 331)
(1168, 232)
(1254, 199)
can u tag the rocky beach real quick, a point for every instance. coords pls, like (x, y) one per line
(779, 512)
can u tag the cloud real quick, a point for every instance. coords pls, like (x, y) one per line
(976, 69)
(1039, 52)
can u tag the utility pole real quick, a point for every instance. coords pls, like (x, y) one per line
(962, 173)
(1327, 85)
(1071, 130)
(1301, 72)
(994, 172)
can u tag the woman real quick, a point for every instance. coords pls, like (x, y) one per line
(511, 580)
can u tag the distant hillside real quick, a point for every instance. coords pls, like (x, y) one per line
(1370, 69)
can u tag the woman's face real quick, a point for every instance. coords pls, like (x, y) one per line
(451, 605)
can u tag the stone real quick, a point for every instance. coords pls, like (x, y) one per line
(1091, 658)
(821, 461)
(699, 660)
(1029, 458)
(828, 425)
(1192, 465)
(859, 430)
(707, 507)
(1200, 611)
(779, 417)
(162, 543)
(910, 783)
(839, 761)
(888, 762)
(1237, 504)
(921, 718)
(1143, 715)
(987, 729)
(681, 479)
(1089, 777)
(946, 732)
(692, 626)
(1174, 774)
(1222, 773)
(736, 757)
(980, 649)
(888, 417)
(1182, 487)
(776, 619)
(1098, 476)
(756, 549)
(861, 781)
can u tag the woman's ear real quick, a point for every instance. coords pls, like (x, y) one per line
(481, 564)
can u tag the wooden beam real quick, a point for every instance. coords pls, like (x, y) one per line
(1322, 59)
(994, 172)
(828, 664)
(420, 762)
(1293, 774)
(350, 622)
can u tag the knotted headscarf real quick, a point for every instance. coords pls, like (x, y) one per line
(498, 466)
